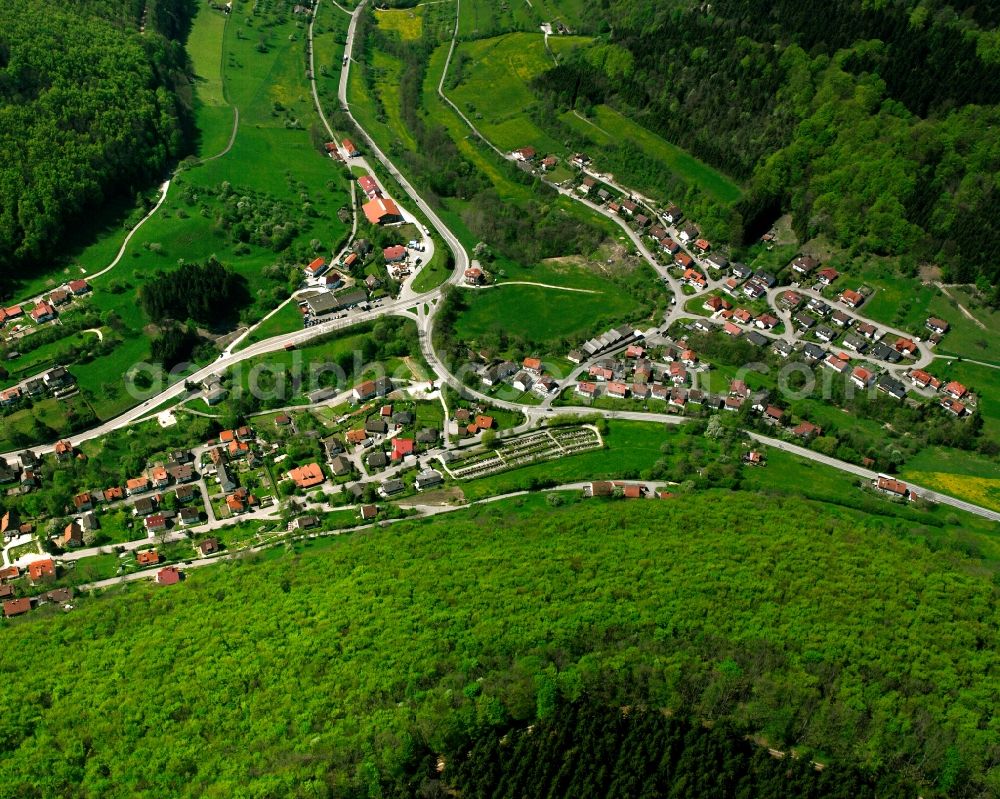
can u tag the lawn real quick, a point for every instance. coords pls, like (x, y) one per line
(542, 315)
(214, 115)
(287, 320)
(983, 380)
(480, 18)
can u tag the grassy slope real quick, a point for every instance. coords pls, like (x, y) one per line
(285, 165)
(313, 667)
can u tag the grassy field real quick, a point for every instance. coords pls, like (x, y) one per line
(609, 126)
(494, 90)
(287, 320)
(406, 22)
(971, 477)
(983, 380)
(539, 314)
(486, 17)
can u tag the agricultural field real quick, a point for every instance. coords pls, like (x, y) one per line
(407, 23)
(974, 478)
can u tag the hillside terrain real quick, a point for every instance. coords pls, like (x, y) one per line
(332, 667)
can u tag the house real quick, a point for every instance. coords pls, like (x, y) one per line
(372, 388)
(169, 575)
(836, 363)
(184, 493)
(825, 333)
(683, 260)
(673, 215)
(891, 486)
(804, 265)
(695, 278)
(669, 245)
(113, 494)
(807, 430)
(955, 390)
(369, 187)
(635, 351)
(688, 233)
(59, 297)
(883, 352)
(790, 300)
(545, 385)
(717, 261)
(689, 358)
(316, 267)
(754, 458)
(522, 381)
(83, 501)
(356, 437)
(428, 435)
(402, 447)
(889, 385)
(715, 303)
(733, 404)
(524, 154)
(862, 377)
(350, 149)
(549, 162)
(41, 571)
(188, 516)
(851, 298)
(754, 289)
(678, 374)
(579, 160)
(474, 276)
(841, 319)
(784, 348)
(15, 607)
(953, 407)
(181, 472)
(757, 339)
(43, 312)
(737, 388)
(533, 365)
(731, 330)
(497, 373)
(868, 330)
(766, 321)
(9, 573)
(155, 523)
(827, 275)
(159, 476)
(731, 286)
(376, 459)
(818, 307)
(617, 390)
(935, 325)
(428, 478)
(210, 546)
(602, 488)
(382, 211)
(137, 485)
(922, 379)
(905, 346)
(226, 481)
(59, 595)
(586, 389)
(628, 207)
(282, 420)
(148, 557)
(394, 254)
(63, 450)
(307, 476)
(390, 487)
(586, 185)
(484, 422)
(72, 535)
(340, 466)
(369, 512)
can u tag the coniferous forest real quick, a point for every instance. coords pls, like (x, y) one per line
(875, 124)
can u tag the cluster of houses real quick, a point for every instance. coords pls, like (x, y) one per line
(954, 397)
(39, 573)
(56, 382)
(223, 459)
(639, 376)
(529, 376)
(47, 308)
(614, 339)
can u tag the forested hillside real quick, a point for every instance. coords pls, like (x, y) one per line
(90, 109)
(873, 123)
(343, 667)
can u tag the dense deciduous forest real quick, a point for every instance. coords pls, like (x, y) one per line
(90, 109)
(325, 670)
(875, 124)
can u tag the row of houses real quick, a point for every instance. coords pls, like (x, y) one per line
(55, 382)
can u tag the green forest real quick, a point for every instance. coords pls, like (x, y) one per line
(344, 666)
(873, 123)
(90, 110)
